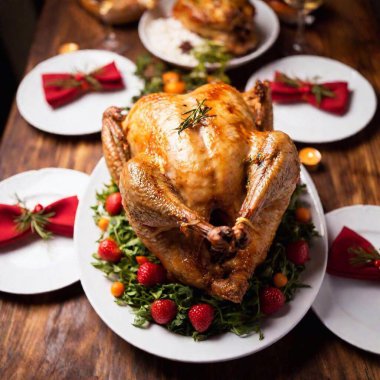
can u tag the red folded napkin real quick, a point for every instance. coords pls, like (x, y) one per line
(341, 257)
(62, 88)
(58, 219)
(330, 96)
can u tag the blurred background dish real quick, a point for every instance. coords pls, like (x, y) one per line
(164, 41)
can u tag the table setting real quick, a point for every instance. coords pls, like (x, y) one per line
(192, 190)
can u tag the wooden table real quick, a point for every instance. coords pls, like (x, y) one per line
(58, 335)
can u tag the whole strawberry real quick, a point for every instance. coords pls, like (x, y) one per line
(271, 300)
(298, 252)
(201, 316)
(108, 250)
(163, 311)
(113, 204)
(150, 274)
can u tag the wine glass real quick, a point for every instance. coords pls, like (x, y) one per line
(303, 7)
(110, 40)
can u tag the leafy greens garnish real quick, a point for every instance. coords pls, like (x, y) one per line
(241, 319)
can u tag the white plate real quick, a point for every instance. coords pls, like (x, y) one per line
(84, 115)
(38, 266)
(158, 340)
(306, 124)
(351, 308)
(266, 22)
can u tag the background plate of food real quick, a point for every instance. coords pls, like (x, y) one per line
(175, 30)
(158, 340)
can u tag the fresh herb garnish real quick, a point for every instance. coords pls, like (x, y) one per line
(35, 220)
(361, 256)
(241, 319)
(196, 116)
(212, 60)
(320, 91)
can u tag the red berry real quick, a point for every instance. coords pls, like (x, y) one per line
(141, 260)
(201, 316)
(113, 204)
(37, 208)
(298, 252)
(376, 263)
(108, 250)
(163, 311)
(271, 300)
(150, 274)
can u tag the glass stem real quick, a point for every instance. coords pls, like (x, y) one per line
(110, 33)
(299, 41)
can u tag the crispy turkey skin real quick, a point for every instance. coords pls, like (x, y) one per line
(207, 201)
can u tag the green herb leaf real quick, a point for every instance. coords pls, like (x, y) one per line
(195, 117)
(361, 256)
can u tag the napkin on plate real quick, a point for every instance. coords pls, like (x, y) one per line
(331, 97)
(341, 256)
(62, 88)
(60, 221)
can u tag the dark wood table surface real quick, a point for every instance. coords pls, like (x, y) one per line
(59, 336)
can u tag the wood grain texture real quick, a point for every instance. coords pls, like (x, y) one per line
(59, 336)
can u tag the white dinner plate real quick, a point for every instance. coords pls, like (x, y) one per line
(307, 124)
(266, 21)
(84, 115)
(156, 339)
(351, 308)
(34, 265)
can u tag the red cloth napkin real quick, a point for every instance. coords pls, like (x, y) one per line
(62, 88)
(61, 223)
(301, 91)
(339, 257)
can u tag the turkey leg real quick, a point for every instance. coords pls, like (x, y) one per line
(273, 173)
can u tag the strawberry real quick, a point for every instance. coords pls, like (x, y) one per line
(113, 204)
(298, 252)
(150, 274)
(141, 260)
(108, 250)
(271, 300)
(163, 311)
(201, 316)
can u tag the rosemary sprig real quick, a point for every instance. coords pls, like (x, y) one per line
(361, 256)
(195, 116)
(321, 92)
(292, 82)
(35, 220)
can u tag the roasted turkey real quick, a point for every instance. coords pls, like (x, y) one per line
(229, 22)
(206, 201)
